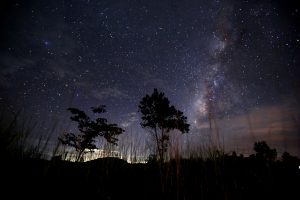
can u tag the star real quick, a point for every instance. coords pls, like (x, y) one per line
(234, 61)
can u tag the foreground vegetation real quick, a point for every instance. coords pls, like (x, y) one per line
(220, 177)
(26, 172)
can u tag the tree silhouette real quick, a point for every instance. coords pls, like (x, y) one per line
(263, 151)
(160, 118)
(89, 130)
(288, 159)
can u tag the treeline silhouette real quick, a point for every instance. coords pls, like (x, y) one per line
(259, 176)
(262, 175)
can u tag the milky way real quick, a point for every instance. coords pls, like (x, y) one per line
(228, 65)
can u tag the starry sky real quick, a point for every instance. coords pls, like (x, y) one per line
(232, 66)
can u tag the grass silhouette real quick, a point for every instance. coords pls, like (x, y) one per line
(205, 173)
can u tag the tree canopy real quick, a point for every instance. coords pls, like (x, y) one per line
(263, 151)
(160, 118)
(89, 130)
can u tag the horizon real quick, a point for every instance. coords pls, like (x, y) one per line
(231, 67)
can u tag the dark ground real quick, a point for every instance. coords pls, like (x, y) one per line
(225, 177)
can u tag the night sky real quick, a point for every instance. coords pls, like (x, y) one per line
(234, 63)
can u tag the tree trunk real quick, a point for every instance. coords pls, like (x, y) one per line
(157, 142)
(162, 146)
(79, 155)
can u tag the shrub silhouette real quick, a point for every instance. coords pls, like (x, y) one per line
(89, 131)
(160, 118)
(289, 159)
(263, 151)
